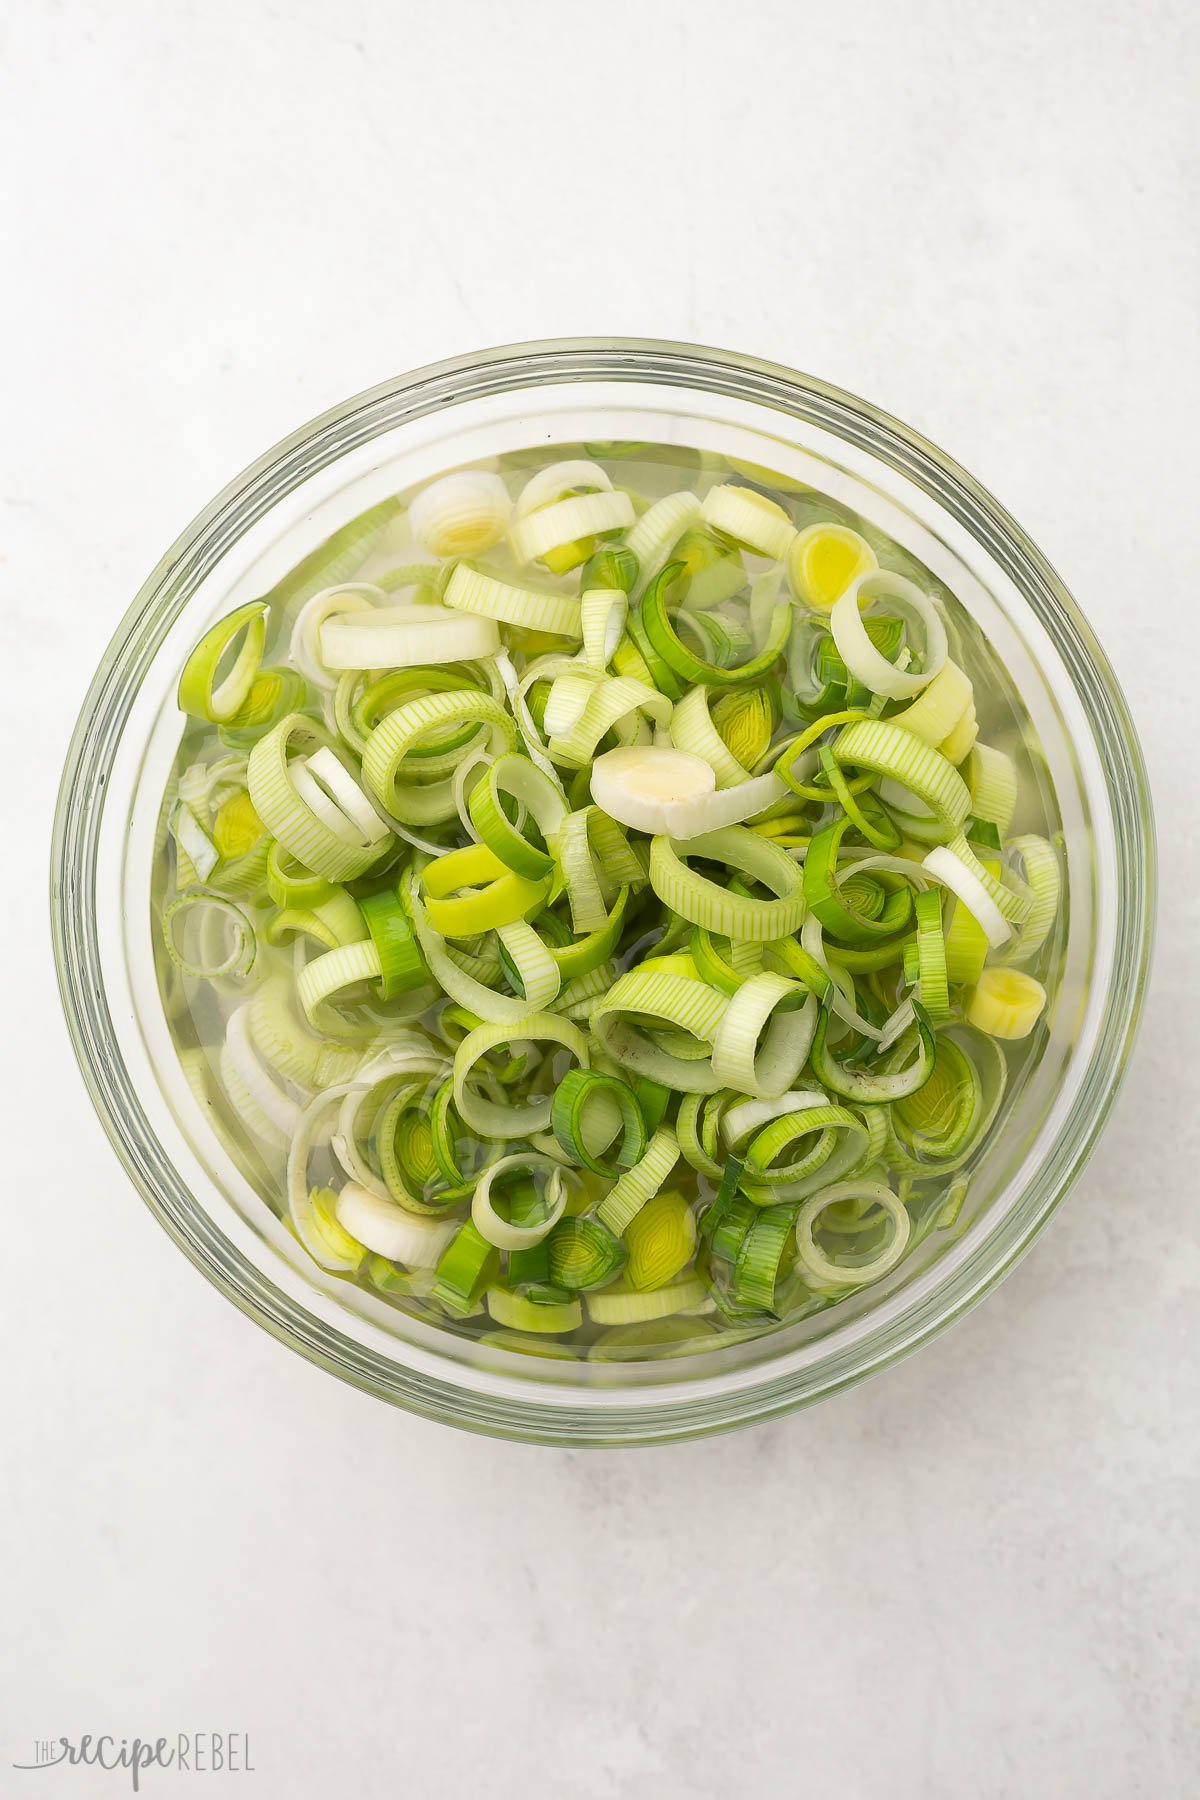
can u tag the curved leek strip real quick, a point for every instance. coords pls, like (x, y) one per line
(851, 904)
(762, 1041)
(402, 731)
(694, 732)
(661, 1240)
(697, 1123)
(583, 1254)
(695, 898)
(278, 1106)
(289, 1048)
(258, 1123)
(501, 1232)
(856, 1268)
(274, 693)
(715, 570)
(576, 520)
(932, 976)
(473, 591)
(867, 1088)
(629, 1306)
(606, 703)
(528, 731)
(750, 519)
(196, 854)
(991, 777)
(188, 928)
(314, 825)
(335, 920)
(957, 744)
(402, 637)
(460, 514)
(1006, 1003)
(389, 1230)
(559, 479)
(200, 692)
(797, 1144)
(346, 967)
(665, 593)
(473, 911)
(688, 1007)
(331, 793)
(934, 714)
(1042, 874)
(424, 578)
(518, 779)
(289, 883)
(512, 1119)
(864, 661)
(631, 1192)
(888, 750)
(602, 616)
(538, 977)
(341, 1253)
(724, 965)
(824, 560)
(594, 856)
(519, 1313)
(355, 598)
(994, 906)
(452, 976)
(589, 1112)
(658, 531)
(966, 945)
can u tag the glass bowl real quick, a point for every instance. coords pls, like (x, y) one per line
(523, 397)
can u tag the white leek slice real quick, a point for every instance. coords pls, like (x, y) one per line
(460, 514)
(331, 603)
(278, 1106)
(660, 790)
(864, 661)
(645, 788)
(658, 531)
(603, 612)
(332, 795)
(966, 886)
(568, 522)
(405, 637)
(749, 518)
(473, 591)
(559, 479)
(390, 1231)
(521, 713)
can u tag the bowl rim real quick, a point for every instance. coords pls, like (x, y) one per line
(513, 367)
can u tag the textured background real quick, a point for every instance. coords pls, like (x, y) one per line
(975, 1576)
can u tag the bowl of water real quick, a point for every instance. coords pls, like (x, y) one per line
(761, 460)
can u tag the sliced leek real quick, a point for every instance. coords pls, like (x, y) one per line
(587, 905)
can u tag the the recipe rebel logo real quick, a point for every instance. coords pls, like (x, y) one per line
(193, 1753)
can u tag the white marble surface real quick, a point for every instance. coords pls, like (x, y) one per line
(974, 1576)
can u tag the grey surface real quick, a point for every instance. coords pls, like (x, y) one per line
(978, 1574)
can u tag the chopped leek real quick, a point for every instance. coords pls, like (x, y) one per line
(589, 906)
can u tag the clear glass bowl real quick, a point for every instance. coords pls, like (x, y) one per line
(289, 502)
